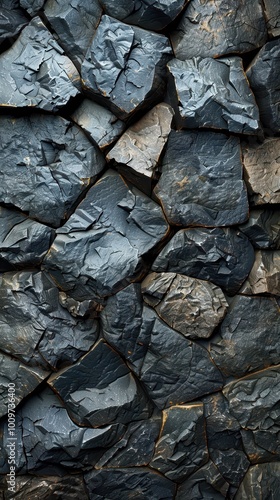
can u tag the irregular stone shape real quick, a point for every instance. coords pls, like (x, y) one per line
(149, 14)
(262, 446)
(211, 29)
(34, 71)
(201, 182)
(74, 23)
(47, 163)
(138, 482)
(272, 14)
(261, 481)
(206, 483)
(181, 448)
(223, 256)
(262, 171)
(101, 124)
(138, 151)
(100, 390)
(265, 274)
(263, 75)
(23, 241)
(192, 307)
(44, 488)
(263, 228)
(32, 6)
(99, 250)
(34, 327)
(213, 93)
(248, 338)
(12, 20)
(125, 66)
(16, 440)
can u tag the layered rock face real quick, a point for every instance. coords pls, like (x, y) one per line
(139, 249)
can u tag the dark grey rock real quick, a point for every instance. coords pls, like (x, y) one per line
(46, 164)
(125, 66)
(32, 6)
(211, 29)
(223, 256)
(47, 488)
(206, 483)
(99, 250)
(16, 441)
(262, 445)
(213, 93)
(248, 338)
(12, 20)
(265, 274)
(263, 228)
(261, 481)
(201, 182)
(272, 14)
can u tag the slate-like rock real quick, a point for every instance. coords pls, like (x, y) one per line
(181, 448)
(138, 151)
(99, 250)
(34, 71)
(192, 307)
(206, 483)
(12, 20)
(263, 75)
(261, 481)
(32, 6)
(262, 445)
(34, 327)
(46, 164)
(213, 93)
(262, 171)
(134, 482)
(101, 124)
(263, 228)
(211, 29)
(201, 182)
(71, 487)
(74, 23)
(265, 274)
(125, 66)
(272, 14)
(222, 256)
(248, 337)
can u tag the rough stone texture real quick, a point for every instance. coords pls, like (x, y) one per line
(248, 338)
(214, 28)
(192, 307)
(23, 241)
(74, 23)
(101, 124)
(265, 274)
(99, 250)
(206, 483)
(261, 481)
(34, 327)
(30, 487)
(181, 448)
(263, 75)
(11, 21)
(133, 66)
(32, 6)
(201, 182)
(138, 151)
(262, 171)
(222, 256)
(263, 228)
(262, 445)
(34, 71)
(213, 93)
(272, 14)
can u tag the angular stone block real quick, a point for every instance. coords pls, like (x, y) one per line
(35, 487)
(265, 274)
(206, 483)
(201, 182)
(138, 151)
(99, 250)
(213, 93)
(192, 307)
(222, 256)
(260, 481)
(263, 228)
(262, 445)
(125, 66)
(211, 29)
(32, 6)
(12, 20)
(272, 15)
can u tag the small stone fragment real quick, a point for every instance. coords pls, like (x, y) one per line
(206, 483)
(261, 481)
(30, 487)
(12, 20)
(265, 274)
(272, 14)
(263, 228)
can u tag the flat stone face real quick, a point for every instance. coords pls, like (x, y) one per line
(263, 228)
(32, 6)
(272, 14)
(11, 21)
(263, 75)
(99, 250)
(248, 338)
(262, 171)
(181, 448)
(33, 487)
(213, 93)
(192, 307)
(207, 482)
(265, 274)
(135, 75)
(261, 479)
(216, 255)
(139, 149)
(201, 182)
(211, 29)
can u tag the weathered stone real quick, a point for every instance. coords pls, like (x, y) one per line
(248, 338)
(16, 440)
(213, 93)
(261, 481)
(201, 182)
(223, 256)
(211, 29)
(181, 448)
(192, 307)
(232, 464)
(138, 151)
(265, 274)
(206, 483)
(263, 228)
(262, 445)
(272, 14)
(74, 23)
(32, 6)
(262, 171)
(125, 66)
(45, 488)
(99, 250)
(100, 123)
(263, 75)
(77, 308)
(12, 20)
